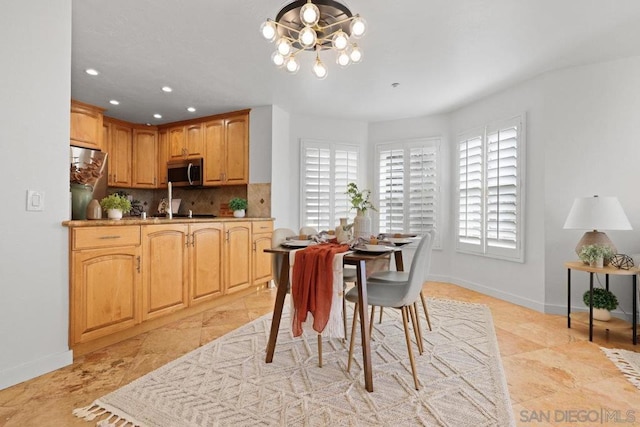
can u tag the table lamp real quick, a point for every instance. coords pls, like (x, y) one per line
(596, 213)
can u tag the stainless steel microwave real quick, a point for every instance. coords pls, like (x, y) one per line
(185, 172)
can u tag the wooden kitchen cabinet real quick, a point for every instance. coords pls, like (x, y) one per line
(226, 150)
(86, 126)
(237, 266)
(119, 158)
(165, 273)
(185, 141)
(205, 261)
(176, 142)
(105, 281)
(262, 232)
(163, 157)
(144, 158)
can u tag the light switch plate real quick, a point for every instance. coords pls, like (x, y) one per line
(35, 200)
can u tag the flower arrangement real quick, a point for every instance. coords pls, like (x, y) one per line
(237, 204)
(359, 199)
(116, 201)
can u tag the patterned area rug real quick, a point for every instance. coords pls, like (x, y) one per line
(627, 361)
(228, 383)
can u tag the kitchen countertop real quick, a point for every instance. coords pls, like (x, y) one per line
(154, 220)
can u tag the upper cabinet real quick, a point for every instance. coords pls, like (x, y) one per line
(119, 148)
(86, 126)
(163, 157)
(144, 158)
(226, 148)
(185, 141)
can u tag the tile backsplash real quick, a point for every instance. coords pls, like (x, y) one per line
(205, 200)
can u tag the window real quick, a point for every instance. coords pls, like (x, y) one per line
(326, 169)
(408, 186)
(491, 190)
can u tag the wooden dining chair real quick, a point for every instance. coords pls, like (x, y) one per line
(399, 294)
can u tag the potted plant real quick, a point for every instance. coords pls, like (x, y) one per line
(596, 255)
(115, 205)
(603, 302)
(238, 206)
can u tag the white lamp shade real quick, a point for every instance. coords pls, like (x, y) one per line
(597, 213)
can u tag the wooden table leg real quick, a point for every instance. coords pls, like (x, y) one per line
(277, 309)
(361, 282)
(399, 261)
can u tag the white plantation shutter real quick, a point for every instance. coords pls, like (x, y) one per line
(470, 192)
(408, 187)
(490, 190)
(326, 169)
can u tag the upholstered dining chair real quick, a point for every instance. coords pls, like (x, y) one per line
(398, 294)
(309, 231)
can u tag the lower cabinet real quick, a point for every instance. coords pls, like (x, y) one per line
(262, 261)
(237, 255)
(165, 274)
(122, 276)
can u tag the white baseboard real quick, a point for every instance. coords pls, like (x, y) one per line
(35, 368)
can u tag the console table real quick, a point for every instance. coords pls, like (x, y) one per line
(614, 323)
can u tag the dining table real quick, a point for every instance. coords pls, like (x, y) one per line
(359, 260)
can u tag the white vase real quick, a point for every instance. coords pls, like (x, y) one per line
(239, 213)
(601, 314)
(114, 213)
(362, 224)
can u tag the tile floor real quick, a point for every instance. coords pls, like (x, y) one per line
(555, 375)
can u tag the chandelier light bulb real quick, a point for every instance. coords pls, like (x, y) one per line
(356, 54)
(343, 59)
(277, 59)
(319, 69)
(292, 65)
(340, 40)
(309, 14)
(268, 30)
(358, 27)
(283, 46)
(307, 37)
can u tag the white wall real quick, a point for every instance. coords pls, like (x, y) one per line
(591, 135)
(35, 97)
(282, 187)
(260, 131)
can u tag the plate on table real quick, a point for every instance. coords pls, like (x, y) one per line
(375, 249)
(398, 241)
(297, 243)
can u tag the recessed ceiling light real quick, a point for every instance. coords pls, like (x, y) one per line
(114, 102)
(395, 84)
(91, 72)
(166, 89)
(191, 109)
(157, 116)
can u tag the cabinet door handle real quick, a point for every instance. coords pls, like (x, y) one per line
(108, 237)
(138, 258)
(187, 241)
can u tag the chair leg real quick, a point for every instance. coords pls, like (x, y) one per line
(405, 322)
(424, 306)
(373, 310)
(344, 314)
(320, 350)
(380, 320)
(353, 336)
(413, 310)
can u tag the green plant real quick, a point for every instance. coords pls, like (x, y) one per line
(359, 199)
(116, 201)
(237, 204)
(590, 253)
(602, 298)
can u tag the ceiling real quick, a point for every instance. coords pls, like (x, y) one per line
(443, 54)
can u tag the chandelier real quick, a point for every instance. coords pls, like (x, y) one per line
(306, 25)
